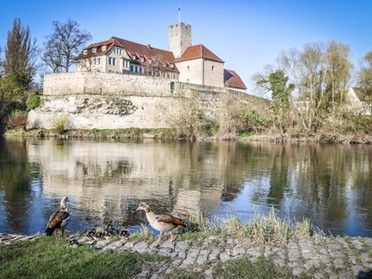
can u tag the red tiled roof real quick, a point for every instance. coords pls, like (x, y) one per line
(196, 52)
(137, 49)
(144, 50)
(232, 79)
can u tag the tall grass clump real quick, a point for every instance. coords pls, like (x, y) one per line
(60, 123)
(258, 229)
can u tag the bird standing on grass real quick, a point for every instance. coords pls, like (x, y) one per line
(162, 223)
(59, 219)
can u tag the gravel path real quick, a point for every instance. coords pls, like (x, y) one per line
(319, 257)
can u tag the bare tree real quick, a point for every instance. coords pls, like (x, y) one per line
(1, 65)
(52, 55)
(338, 73)
(155, 66)
(365, 78)
(320, 74)
(64, 45)
(86, 64)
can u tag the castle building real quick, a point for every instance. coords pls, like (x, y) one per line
(181, 62)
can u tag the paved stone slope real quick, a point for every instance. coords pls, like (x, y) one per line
(317, 257)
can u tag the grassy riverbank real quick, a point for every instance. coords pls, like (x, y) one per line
(47, 257)
(136, 133)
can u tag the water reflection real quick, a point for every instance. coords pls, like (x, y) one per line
(330, 185)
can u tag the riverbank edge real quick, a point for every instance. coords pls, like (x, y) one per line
(162, 133)
(307, 257)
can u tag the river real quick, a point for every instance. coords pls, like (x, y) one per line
(331, 185)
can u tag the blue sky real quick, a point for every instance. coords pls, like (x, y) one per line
(247, 35)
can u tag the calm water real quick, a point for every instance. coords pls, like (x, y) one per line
(329, 184)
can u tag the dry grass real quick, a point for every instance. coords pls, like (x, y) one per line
(60, 123)
(259, 229)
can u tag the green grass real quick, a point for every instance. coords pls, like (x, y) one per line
(246, 134)
(46, 257)
(243, 268)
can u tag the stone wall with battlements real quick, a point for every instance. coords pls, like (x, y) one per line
(105, 83)
(90, 100)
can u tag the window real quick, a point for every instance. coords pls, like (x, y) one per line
(213, 68)
(142, 59)
(94, 50)
(117, 50)
(85, 52)
(133, 57)
(112, 61)
(103, 48)
(96, 61)
(188, 67)
(126, 64)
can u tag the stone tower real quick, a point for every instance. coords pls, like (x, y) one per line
(179, 38)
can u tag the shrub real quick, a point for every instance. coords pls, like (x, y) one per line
(17, 120)
(33, 101)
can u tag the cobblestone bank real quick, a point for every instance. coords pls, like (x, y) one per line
(320, 257)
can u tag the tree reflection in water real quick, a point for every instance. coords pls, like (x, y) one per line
(329, 184)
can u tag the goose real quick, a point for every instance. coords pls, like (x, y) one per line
(74, 243)
(162, 223)
(59, 219)
(110, 229)
(91, 234)
(124, 232)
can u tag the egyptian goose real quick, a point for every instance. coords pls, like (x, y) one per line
(59, 219)
(162, 223)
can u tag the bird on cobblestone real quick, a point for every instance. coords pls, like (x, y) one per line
(91, 233)
(124, 232)
(59, 219)
(110, 229)
(162, 223)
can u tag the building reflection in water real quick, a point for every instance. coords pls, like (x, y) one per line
(107, 180)
(330, 185)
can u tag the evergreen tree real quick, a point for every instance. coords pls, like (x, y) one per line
(20, 56)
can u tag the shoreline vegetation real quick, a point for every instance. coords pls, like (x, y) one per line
(173, 134)
(263, 247)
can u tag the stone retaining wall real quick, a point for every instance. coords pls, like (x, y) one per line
(104, 83)
(94, 100)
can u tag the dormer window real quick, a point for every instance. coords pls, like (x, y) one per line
(133, 57)
(94, 50)
(142, 59)
(117, 50)
(103, 48)
(172, 66)
(85, 51)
